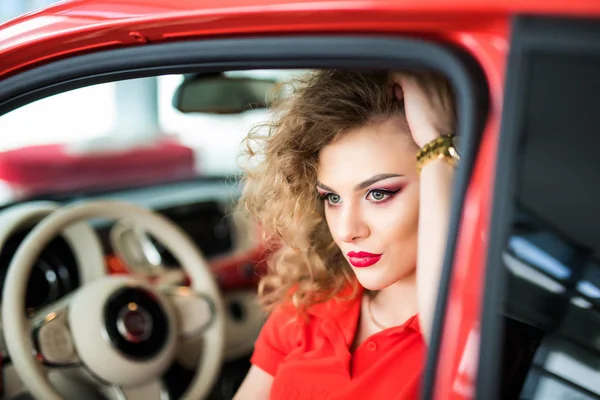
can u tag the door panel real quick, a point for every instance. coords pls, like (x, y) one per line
(541, 315)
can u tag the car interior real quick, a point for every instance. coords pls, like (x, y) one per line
(184, 172)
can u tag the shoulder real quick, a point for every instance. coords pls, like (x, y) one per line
(277, 338)
(289, 326)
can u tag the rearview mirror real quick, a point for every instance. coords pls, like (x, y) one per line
(221, 94)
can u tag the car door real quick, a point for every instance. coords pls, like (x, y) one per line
(540, 332)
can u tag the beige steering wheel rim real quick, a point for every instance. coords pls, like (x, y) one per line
(17, 328)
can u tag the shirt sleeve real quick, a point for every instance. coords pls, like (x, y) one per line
(275, 340)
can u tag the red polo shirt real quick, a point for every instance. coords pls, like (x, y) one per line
(310, 359)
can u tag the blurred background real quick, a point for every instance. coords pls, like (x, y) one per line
(120, 133)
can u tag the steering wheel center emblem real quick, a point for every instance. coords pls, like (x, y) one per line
(134, 323)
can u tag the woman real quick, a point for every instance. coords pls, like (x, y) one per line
(360, 228)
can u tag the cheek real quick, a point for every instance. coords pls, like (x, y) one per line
(330, 218)
(398, 222)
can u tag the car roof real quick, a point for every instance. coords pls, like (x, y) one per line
(74, 26)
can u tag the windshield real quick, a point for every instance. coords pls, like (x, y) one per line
(120, 134)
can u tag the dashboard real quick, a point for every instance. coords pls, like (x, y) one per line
(83, 252)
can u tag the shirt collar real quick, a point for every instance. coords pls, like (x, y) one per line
(341, 305)
(344, 308)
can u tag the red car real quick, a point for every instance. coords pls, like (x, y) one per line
(131, 110)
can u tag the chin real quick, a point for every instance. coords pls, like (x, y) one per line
(379, 278)
(374, 280)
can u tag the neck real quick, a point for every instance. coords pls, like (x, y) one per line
(398, 302)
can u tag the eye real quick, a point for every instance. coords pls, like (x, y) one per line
(333, 198)
(378, 195)
(381, 195)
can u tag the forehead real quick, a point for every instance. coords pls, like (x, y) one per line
(377, 148)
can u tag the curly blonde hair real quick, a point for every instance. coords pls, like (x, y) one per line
(306, 266)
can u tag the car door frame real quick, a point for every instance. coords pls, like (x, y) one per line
(348, 51)
(530, 35)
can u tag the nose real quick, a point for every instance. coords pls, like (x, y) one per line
(352, 226)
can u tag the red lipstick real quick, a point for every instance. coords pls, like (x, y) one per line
(362, 259)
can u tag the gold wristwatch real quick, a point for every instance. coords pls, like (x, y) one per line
(442, 148)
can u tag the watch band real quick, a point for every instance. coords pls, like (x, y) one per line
(442, 148)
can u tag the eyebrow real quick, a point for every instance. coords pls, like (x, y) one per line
(364, 184)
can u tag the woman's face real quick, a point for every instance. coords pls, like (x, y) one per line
(370, 189)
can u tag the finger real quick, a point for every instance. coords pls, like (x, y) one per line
(401, 77)
(397, 77)
(408, 84)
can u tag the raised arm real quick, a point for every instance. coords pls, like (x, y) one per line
(430, 114)
(436, 187)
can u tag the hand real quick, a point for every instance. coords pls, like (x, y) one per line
(428, 104)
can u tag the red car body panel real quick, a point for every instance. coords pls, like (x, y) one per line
(480, 27)
(87, 25)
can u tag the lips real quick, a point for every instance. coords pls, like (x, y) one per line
(362, 259)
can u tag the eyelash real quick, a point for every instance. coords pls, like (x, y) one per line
(388, 193)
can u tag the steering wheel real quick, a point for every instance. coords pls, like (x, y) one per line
(121, 332)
